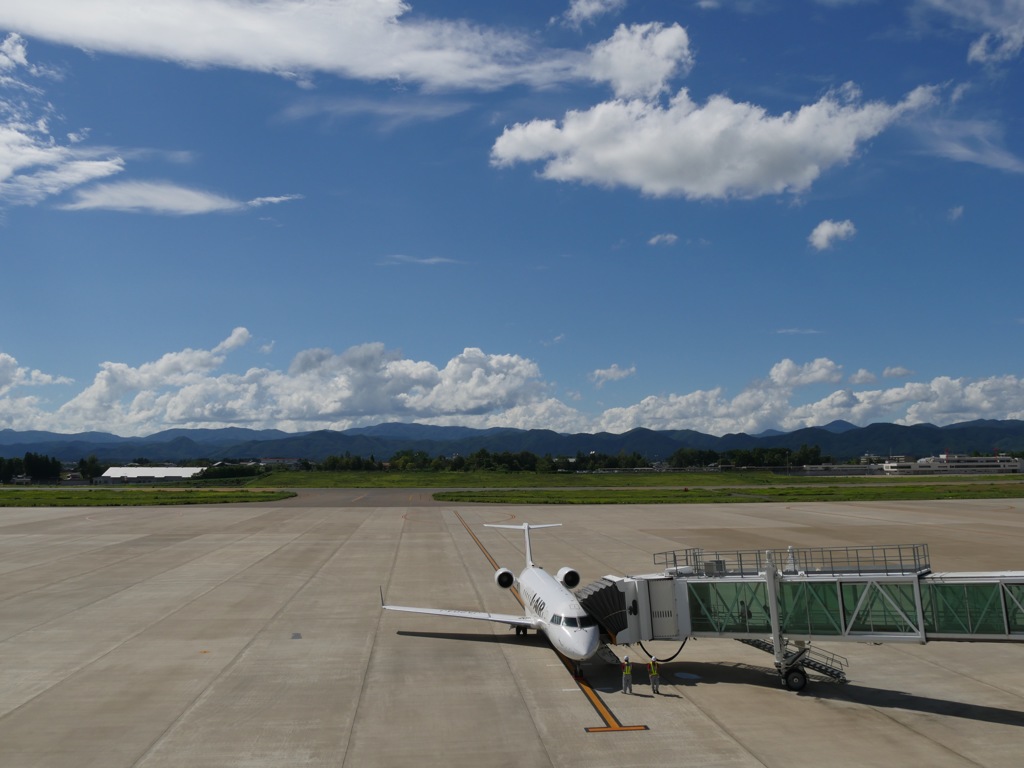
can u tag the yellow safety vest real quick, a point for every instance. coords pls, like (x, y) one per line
(627, 668)
(652, 668)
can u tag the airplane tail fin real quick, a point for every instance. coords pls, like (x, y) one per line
(525, 527)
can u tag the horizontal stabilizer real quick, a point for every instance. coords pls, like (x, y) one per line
(526, 528)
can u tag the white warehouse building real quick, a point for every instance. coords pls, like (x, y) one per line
(136, 474)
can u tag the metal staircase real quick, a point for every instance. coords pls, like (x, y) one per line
(824, 662)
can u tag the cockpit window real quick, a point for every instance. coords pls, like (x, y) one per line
(570, 621)
(587, 621)
(556, 619)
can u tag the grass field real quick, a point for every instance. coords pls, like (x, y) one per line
(675, 480)
(658, 488)
(566, 488)
(130, 497)
(698, 495)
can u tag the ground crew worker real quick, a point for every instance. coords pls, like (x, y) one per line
(652, 671)
(627, 676)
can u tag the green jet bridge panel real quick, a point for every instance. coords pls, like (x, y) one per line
(783, 600)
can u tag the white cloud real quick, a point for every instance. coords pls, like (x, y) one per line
(603, 375)
(863, 376)
(1001, 23)
(475, 382)
(639, 60)
(361, 39)
(769, 404)
(582, 11)
(788, 374)
(664, 239)
(13, 375)
(150, 197)
(369, 384)
(549, 413)
(970, 141)
(392, 113)
(999, 46)
(828, 231)
(897, 372)
(259, 202)
(947, 400)
(429, 261)
(32, 169)
(721, 149)
(764, 404)
(13, 57)
(34, 164)
(239, 338)
(12, 53)
(704, 410)
(363, 385)
(161, 197)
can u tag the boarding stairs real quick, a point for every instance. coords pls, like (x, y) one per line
(824, 662)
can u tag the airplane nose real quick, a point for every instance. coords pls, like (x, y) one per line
(584, 643)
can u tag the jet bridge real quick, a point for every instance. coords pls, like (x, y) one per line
(782, 601)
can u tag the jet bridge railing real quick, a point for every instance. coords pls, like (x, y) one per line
(893, 559)
(857, 594)
(783, 600)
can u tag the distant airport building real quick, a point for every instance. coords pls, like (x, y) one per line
(954, 464)
(834, 470)
(136, 474)
(281, 463)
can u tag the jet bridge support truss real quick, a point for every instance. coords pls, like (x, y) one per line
(782, 601)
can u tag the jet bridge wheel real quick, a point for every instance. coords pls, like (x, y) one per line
(795, 679)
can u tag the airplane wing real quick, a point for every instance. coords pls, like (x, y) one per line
(498, 618)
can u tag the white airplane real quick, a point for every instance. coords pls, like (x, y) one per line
(550, 607)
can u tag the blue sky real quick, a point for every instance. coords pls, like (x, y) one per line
(728, 215)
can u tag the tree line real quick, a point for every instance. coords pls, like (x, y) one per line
(483, 460)
(46, 469)
(686, 458)
(42, 469)
(525, 461)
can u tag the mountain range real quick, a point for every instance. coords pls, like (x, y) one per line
(839, 439)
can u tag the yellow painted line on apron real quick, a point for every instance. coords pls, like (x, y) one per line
(611, 722)
(491, 560)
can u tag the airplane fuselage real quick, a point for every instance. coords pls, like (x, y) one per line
(558, 614)
(548, 605)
